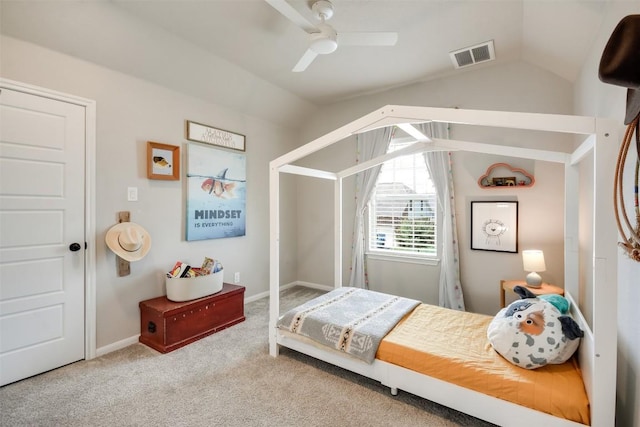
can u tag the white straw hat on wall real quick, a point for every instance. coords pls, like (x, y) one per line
(129, 241)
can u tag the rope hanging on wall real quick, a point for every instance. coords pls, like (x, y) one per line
(630, 244)
(620, 66)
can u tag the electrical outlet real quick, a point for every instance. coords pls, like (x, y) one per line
(236, 277)
(132, 194)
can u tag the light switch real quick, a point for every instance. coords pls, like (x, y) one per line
(132, 194)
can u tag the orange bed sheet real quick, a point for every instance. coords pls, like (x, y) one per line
(453, 346)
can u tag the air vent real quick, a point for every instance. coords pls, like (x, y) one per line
(473, 55)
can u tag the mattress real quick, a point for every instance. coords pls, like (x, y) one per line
(457, 351)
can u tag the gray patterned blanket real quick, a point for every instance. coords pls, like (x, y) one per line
(351, 320)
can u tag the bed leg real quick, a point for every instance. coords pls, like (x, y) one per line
(394, 391)
(274, 347)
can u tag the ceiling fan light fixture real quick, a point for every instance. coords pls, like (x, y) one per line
(323, 44)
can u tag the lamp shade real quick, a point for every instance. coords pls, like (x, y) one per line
(533, 260)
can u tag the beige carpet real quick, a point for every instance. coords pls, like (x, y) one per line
(226, 379)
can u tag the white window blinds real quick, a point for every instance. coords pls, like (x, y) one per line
(402, 210)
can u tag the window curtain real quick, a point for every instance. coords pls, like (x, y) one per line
(371, 144)
(439, 166)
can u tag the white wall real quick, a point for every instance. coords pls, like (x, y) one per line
(131, 112)
(515, 86)
(592, 97)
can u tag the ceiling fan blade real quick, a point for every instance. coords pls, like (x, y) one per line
(367, 39)
(305, 61)
(292, 15)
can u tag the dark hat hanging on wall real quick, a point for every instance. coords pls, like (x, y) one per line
(620, 62)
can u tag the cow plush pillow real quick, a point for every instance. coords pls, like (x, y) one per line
(533, 332)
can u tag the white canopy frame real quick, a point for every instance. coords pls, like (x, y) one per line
(598, 351)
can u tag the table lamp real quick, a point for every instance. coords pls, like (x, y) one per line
(533, 261)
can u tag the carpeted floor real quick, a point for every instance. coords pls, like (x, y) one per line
(226, 379)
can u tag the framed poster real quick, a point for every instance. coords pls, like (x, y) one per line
(214, 136)
(216, 193)
(494, 226)
(163, 161)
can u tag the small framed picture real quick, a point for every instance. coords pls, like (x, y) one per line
(213, 136)
(494, 226)
(163, 161)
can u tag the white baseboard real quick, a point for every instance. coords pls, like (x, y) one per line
(309, 285)
(117, 345)
(288, 286)
(256, 297)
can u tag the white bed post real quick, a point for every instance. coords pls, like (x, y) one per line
(605, 278)
(274, 249)
(571, 213)
(337, 238)
(571, 227)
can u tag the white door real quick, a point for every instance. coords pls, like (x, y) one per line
(42, 202)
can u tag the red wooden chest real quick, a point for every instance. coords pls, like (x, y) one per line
(166, 325)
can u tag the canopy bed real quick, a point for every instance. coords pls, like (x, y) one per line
(590, 265)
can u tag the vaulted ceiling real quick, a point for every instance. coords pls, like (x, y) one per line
(553, 34)
(556, 35)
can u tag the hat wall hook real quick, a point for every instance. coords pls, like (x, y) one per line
(129, 241)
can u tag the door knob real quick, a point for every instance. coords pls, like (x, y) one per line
(74, 247)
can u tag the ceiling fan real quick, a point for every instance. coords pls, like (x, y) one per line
(323, 38)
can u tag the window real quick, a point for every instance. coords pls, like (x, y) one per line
(402, 209)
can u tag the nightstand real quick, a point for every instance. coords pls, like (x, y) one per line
(544, 289)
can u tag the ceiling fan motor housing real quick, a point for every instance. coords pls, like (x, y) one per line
(323, 9)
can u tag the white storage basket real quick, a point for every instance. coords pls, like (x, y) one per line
(188, 288)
